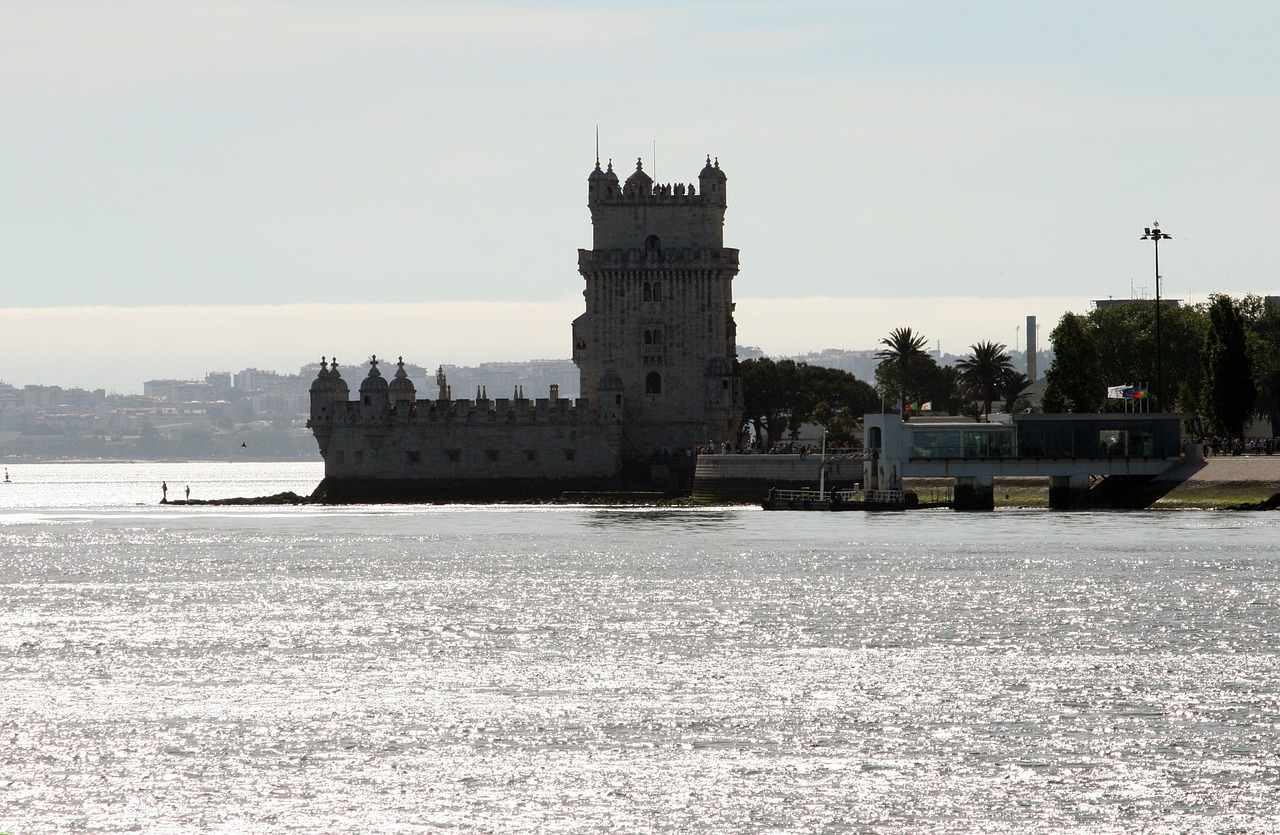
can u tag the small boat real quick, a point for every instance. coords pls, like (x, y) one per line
(782, 498)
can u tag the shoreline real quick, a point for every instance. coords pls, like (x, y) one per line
(1217, 483)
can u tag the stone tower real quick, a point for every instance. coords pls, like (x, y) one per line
(658, 338)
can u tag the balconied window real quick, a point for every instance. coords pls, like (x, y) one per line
(651, 343)
(653, 383)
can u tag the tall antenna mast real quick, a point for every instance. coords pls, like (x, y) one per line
(597, 146)
(655, 160)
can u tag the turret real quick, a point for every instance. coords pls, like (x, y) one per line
(609, 395)
(602, 185)
(374, 394)
(401, 391)
(639, 184)
(341, 392)
(711, 182)
(322, 391)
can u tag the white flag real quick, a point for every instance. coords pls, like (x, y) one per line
(1116, 392)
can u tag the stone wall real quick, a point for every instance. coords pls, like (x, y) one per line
(460, 440)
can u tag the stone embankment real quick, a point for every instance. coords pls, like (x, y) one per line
(1244, 482)
(1225, 481)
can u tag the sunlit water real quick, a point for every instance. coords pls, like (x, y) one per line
(560, 669)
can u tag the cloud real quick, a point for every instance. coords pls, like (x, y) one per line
(87, 47)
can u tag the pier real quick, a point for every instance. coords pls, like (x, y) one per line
(1070, 450)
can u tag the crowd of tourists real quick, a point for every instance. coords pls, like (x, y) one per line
(754, 447)
(1252, 446)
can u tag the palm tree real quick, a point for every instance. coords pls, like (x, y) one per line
(1015, 386)
(901, 345)
(983, 372)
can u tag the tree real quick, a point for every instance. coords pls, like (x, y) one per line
(901, 345)
(983, 372)
(766, 396)
(1230, 393)
(926, 382)
(780, 395)
(1124, 335)
(1263, 322)
(1073, 382)
(1014, 386)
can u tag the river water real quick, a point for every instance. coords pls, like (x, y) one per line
(573, 669)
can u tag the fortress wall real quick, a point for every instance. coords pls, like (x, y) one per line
(470, 449)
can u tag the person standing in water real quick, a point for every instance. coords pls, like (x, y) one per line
(164, 492)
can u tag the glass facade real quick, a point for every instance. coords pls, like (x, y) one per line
(967, 442)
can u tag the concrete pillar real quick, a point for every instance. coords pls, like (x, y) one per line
(1068, 491)
(975, 493)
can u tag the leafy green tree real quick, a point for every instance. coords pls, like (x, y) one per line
(1263, 322)
(983, 372)
(780, 395)
(1124, 335)
(1230, 393)
(767, 395)
(1073, 382)
(901, 346)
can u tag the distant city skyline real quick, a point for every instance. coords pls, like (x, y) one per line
(183, 180)
(188, 342)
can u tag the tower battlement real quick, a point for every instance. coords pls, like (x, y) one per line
(659, 315)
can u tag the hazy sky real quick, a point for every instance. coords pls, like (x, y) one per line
(196, 186)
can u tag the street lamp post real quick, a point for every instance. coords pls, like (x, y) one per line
(1153, 233)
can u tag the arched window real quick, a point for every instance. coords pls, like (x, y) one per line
(648, 337)
(657, 291)
(648, 292)
(653, 383)
(652, 244)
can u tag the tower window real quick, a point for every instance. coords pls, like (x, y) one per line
(652, 244)
(648, 292)
(657, 291)
(653, 383)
